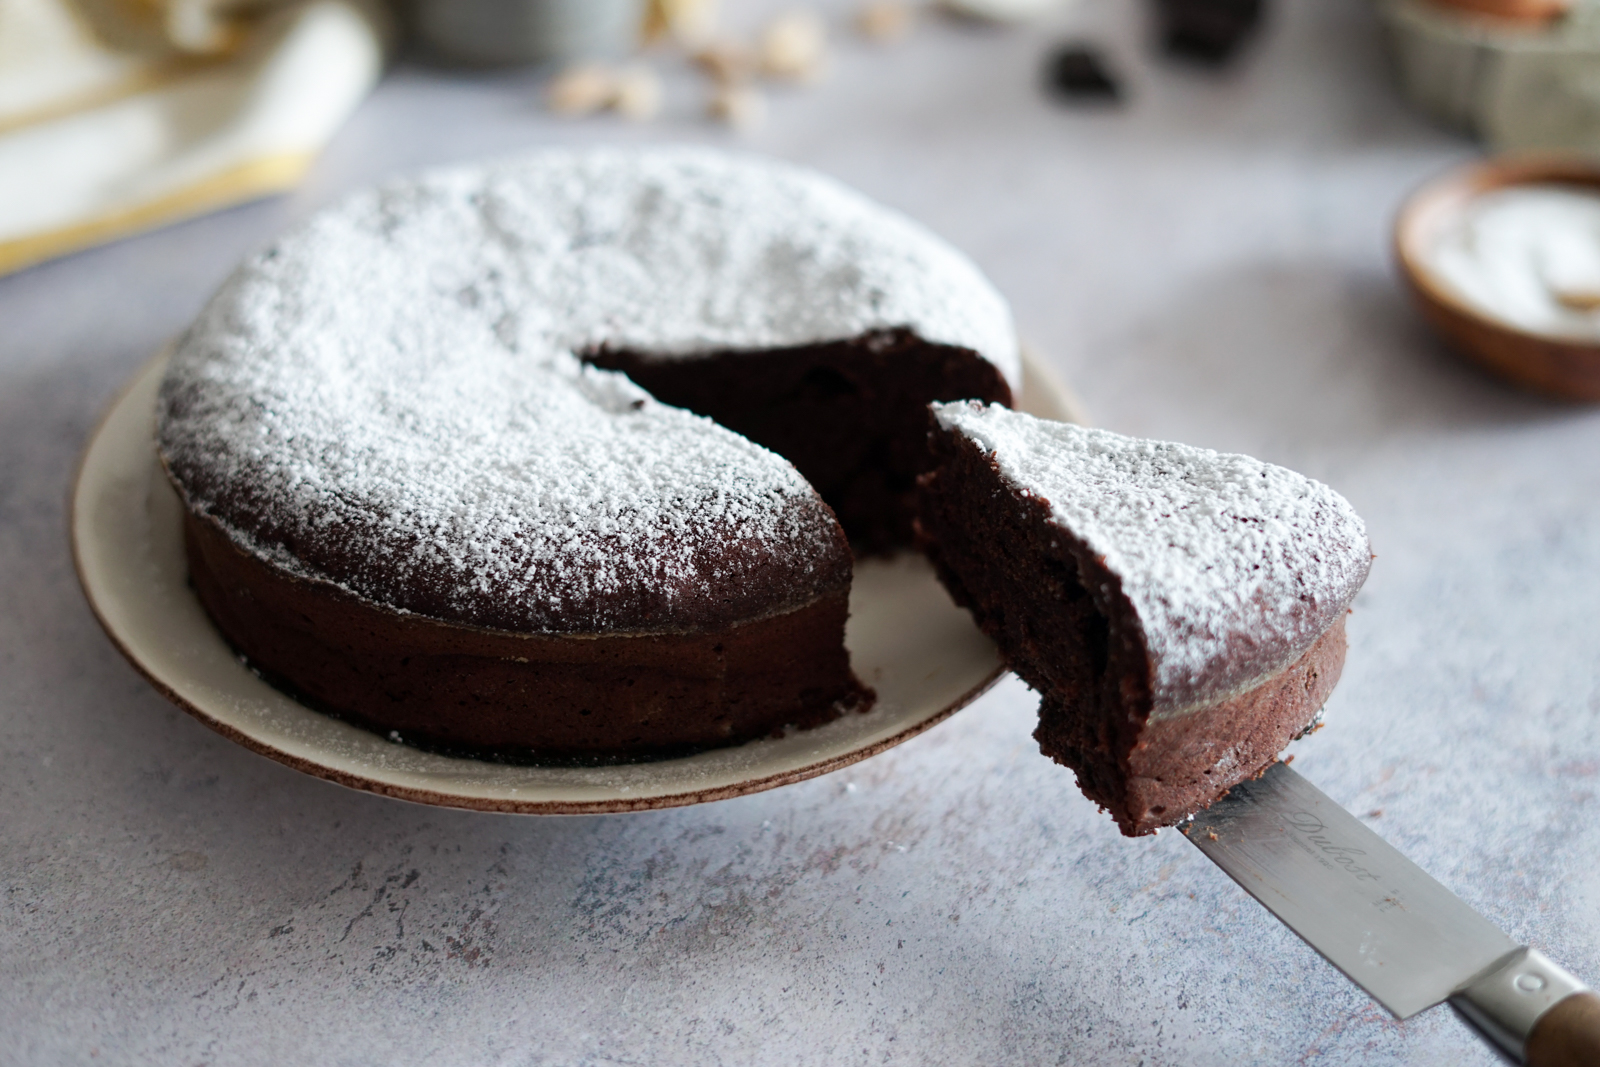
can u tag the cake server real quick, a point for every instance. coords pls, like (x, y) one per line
(1394, 931)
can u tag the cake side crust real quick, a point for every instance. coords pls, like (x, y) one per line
(1182, 764)
(525, 697)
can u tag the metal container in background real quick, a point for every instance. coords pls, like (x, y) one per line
(506, 32)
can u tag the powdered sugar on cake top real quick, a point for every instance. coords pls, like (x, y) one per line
(388, 397)
(1233, 567)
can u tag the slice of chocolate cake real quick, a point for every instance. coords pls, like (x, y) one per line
(1180, 611)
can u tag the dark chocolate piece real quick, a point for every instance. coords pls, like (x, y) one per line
(1076, 72)
(1209, 31)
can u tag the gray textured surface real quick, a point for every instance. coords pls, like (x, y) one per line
(1209, 264)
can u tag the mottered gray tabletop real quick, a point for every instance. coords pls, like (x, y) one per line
(1207, 263)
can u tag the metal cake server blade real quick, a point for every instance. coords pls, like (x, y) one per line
(1379, 918)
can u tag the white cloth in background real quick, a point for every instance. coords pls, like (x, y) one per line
(117, 116)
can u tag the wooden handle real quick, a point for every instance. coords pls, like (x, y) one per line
(1568, 1035)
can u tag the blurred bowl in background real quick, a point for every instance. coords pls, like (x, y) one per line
(1525, 79)
(1566, 367)
(506, 32)
(1514, 10)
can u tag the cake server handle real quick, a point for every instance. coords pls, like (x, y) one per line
(1533, 1009)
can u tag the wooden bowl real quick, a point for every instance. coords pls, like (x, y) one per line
(1529, 11)
(1561, 367)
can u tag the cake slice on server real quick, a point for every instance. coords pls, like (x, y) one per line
(1180, 611)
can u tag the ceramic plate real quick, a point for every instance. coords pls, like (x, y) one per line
(907, 640)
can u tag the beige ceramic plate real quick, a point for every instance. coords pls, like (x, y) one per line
(922, 654)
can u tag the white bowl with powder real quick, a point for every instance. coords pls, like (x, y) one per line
(1503, 258)
(1527, 255)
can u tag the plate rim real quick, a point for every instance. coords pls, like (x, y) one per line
(1054, 394)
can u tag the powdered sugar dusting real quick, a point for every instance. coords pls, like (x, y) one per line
(674, 251)
(1233, 566)
(488, 489)
(388, 398)
(671, 252)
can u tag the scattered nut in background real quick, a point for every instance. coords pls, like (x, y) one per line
(792, 46)
(638, 93)
(740, 106)
(727, 61)
(689, 22)
(582, 90)
(884, 20)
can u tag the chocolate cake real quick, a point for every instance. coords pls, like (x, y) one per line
(418, 498)
(1180, 611)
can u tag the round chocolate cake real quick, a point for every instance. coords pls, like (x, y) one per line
(422, 494)
(1180, 611)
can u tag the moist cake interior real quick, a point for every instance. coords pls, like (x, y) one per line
(1032, 599)
(850, 415)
